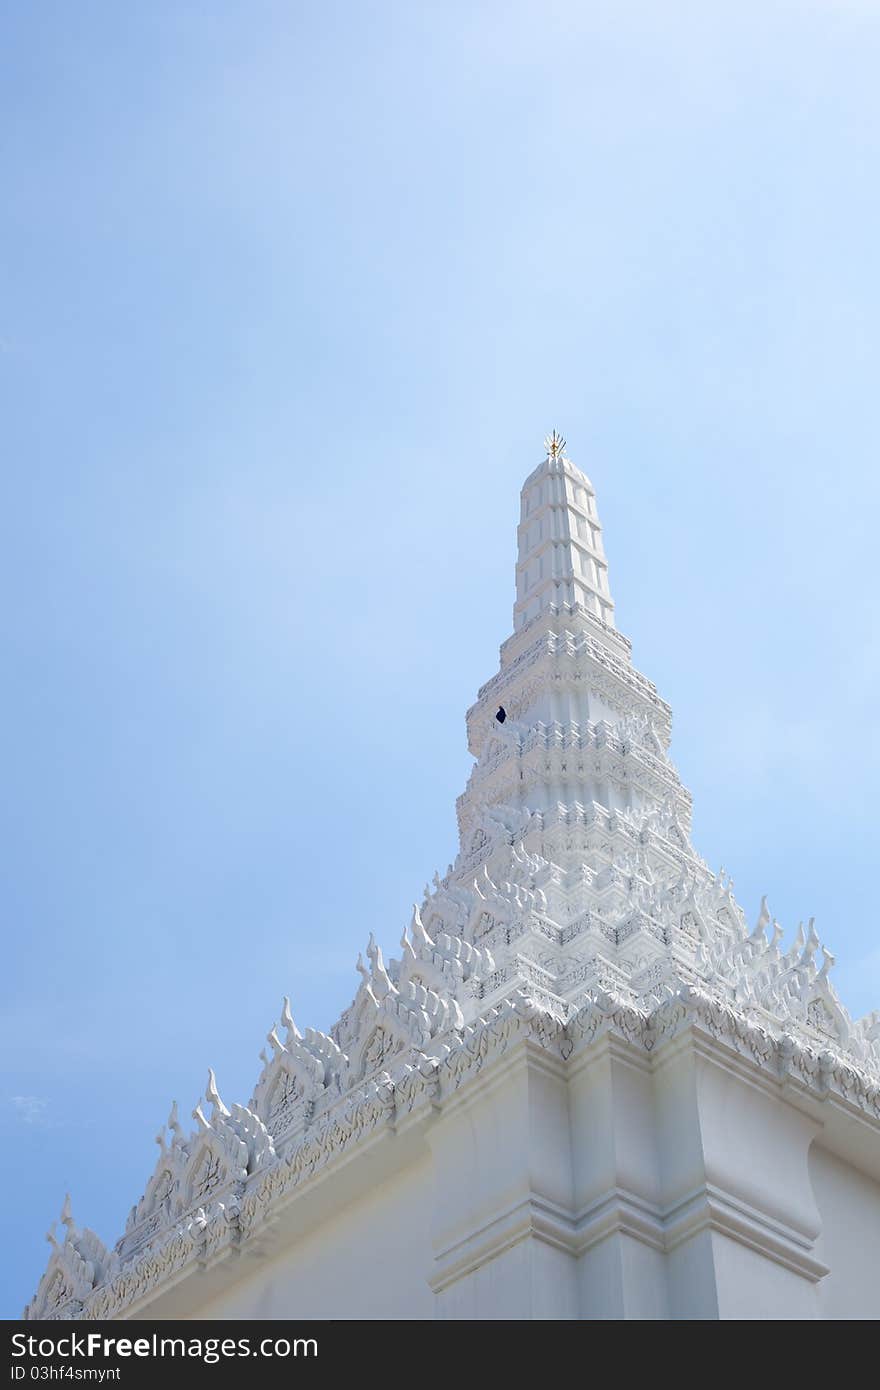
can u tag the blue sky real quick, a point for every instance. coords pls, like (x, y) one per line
(290, 296)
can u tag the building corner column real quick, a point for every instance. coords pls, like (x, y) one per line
(740, 1219)
(502, 1221)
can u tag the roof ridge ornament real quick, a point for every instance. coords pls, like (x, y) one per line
(555, 445)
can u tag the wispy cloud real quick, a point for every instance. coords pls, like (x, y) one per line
(31, 1110)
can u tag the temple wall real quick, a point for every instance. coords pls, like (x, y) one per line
(369, 1259)
(849, 1202)
(618, 1189)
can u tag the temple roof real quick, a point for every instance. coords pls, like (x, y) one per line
(576, 903)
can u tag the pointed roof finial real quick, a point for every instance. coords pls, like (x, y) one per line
(555, 445)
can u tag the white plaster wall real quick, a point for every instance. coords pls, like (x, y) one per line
(528, 1282)
(371, 1259)
(756, 1289)
(850, 1240)
(526, 1202)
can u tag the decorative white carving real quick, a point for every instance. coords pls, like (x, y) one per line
(78, 1265)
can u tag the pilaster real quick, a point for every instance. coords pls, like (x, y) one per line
(739, 1214)
(502, 1224)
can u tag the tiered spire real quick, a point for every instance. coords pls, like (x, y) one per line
(567, 723)
(561, 563)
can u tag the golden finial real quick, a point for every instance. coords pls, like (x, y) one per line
(555, 445)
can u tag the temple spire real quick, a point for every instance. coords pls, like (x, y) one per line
(561, 561)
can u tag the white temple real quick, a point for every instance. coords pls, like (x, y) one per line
(587, 1087)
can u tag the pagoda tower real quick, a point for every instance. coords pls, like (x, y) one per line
(573, 797)
(587, 1086)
